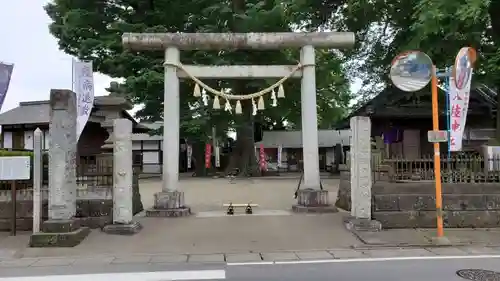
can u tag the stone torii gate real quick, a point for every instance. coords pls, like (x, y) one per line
(170, 201)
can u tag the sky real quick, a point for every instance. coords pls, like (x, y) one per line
(39, 65)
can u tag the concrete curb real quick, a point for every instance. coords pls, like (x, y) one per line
(369, 245)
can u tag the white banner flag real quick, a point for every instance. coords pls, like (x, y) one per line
(459, 95)
(217, 156)
(83, 86)
(459, 104)
(280, 149)
(465, 92)
(189, 154)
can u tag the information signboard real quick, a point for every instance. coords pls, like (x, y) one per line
(15, 168)
(437, 136)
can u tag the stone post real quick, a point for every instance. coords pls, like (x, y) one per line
(62, 155)
(122, 180)
(311, 198)
(61, 229)
(361, 177)
(37, 179)
(170, 201)
(171, 113)
(309, 118)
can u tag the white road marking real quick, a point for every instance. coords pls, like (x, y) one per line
(367, 260)
(129, 276)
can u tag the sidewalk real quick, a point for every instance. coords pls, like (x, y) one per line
(245, 257)
(207, 235)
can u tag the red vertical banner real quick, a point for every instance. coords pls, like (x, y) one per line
(208, 155)
(262, 158)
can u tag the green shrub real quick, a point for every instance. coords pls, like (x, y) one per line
(8, 153)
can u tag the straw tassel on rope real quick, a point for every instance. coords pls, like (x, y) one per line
(273, 98)
(197, 91)
(216, 102)
(238, 107)
(261, 105)
(227, 106)
(281, 91)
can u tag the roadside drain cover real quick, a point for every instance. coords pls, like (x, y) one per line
(479, 274)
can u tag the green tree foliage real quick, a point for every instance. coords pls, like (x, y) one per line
(91, 30)
(437, 27)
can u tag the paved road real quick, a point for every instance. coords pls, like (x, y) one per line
(410, 84)
(437, 268)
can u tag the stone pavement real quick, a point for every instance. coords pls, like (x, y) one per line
(204, 194)
(244, 257)
(205, 235)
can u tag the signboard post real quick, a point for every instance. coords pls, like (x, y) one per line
(37, 179)
(13, 168)
(437, 136)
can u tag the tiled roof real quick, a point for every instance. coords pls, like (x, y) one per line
(38, 112)
(293, 139)
(27, 113)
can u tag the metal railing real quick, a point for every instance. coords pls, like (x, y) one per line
(457, 169)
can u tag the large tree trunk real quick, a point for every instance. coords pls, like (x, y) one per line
(243, 156)
(199, 159)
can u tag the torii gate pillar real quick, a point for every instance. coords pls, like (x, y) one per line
(170, 202)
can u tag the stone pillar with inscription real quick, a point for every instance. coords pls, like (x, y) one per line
(361, 177)
(61, 229)
(122, 180)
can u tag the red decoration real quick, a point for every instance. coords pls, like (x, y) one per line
(262, 157)
(208, 155)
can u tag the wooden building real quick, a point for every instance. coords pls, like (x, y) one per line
(291, 144)
(19, 124)
(410, 114)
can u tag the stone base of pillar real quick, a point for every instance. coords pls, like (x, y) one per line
(313, 201)
(59, 233)
(169, 204)
(123, 229)
(361, 224)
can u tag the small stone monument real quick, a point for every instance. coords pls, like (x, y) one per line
(61, 229)
(361, 177)
(122, 180)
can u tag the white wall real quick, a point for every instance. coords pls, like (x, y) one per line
(46, 139)
(150, 161)
(330, 156)
(7, 140)
(146, 145)
(28, 139)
